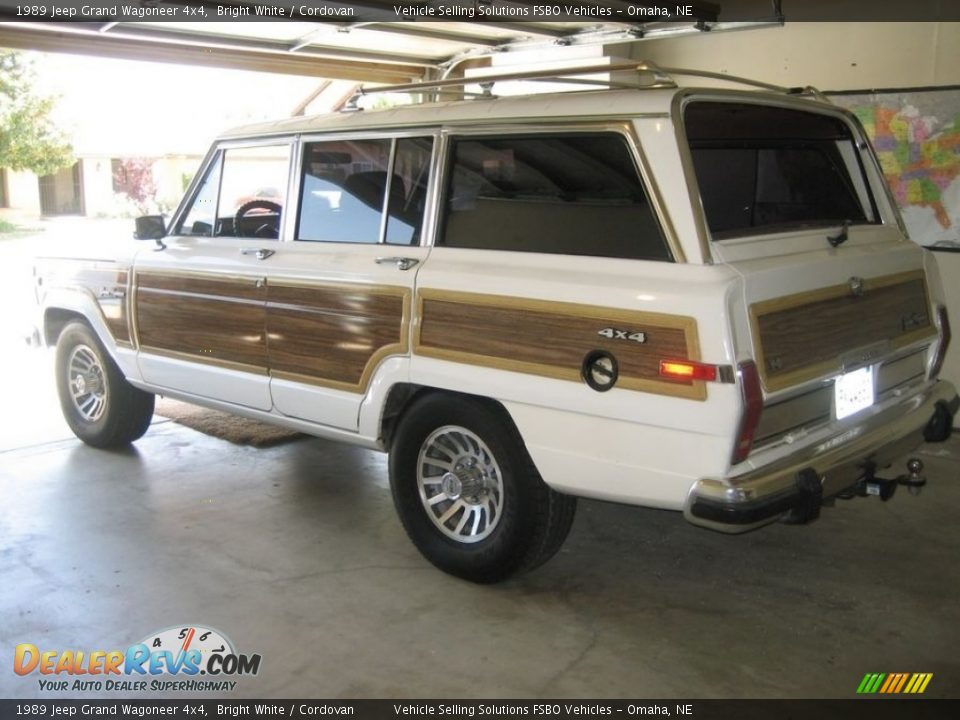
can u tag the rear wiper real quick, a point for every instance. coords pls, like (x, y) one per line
(840, 238)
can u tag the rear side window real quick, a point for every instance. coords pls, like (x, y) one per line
(344, 183)
(770, 169)
(570, 194)
(364, 191)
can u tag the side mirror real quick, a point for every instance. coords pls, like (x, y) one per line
(150, 227)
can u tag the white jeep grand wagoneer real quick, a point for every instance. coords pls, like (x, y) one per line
(702, 300)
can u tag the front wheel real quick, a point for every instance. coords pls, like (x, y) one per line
(468, 493)
(99, 405)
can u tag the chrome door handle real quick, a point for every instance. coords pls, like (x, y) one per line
(403, 263)
(259, 253)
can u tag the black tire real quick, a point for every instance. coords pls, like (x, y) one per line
(99, 405)
(506, 537)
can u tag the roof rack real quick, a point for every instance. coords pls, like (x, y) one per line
(648, 76)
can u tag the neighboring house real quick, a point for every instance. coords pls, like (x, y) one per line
(88, 187)
(175, 140)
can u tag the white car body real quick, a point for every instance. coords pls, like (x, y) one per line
(653, 443)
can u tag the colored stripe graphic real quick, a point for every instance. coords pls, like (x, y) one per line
(870, 683)
(899, 687)
(894, 683)
(918, 683)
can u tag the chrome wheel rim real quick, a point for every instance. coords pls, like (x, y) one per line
(88, 390)
(460, 483)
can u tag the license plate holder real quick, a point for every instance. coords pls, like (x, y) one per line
(853, 392)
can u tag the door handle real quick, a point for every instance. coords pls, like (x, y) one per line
(403, 263)
(259, 253)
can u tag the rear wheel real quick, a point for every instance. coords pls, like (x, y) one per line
(468, 493)
(99, 405)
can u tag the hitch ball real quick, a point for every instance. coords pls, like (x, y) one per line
(916, 479)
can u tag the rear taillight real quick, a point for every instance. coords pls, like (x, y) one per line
(943, 323)
(748, 378)
(688, 370)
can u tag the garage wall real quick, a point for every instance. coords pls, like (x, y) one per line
(829, 56)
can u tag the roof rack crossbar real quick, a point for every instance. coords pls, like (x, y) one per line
(657, 77)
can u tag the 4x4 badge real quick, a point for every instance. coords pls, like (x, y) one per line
(615, 334)
(856, 286)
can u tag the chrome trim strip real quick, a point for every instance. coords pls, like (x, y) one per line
(201, 296)
(385, 205)
(291, 212)
(193, 188)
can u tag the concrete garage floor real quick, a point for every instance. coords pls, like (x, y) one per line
(294, 552)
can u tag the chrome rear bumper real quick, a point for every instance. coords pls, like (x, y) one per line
(799, 484)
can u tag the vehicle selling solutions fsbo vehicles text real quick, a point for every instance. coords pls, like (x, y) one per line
(531, 11)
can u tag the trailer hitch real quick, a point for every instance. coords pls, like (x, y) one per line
(884, 488)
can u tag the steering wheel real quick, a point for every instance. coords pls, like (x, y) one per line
(268, 229)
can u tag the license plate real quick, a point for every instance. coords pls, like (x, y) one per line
(853, 391)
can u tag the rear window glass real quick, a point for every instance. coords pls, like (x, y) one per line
(770, 169)
(576, 194)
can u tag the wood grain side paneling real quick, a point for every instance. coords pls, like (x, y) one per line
(553, 338)
(334, 335)
(105, 281)
(208, 318)
(804, 336)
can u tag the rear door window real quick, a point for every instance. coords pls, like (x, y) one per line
(569, 194)
(767, 169)
(348, 184)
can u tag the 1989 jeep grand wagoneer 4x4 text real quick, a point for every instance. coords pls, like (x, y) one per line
(698, 300)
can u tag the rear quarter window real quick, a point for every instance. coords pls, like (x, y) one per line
(576, 194)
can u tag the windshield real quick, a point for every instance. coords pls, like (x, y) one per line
(768, 169)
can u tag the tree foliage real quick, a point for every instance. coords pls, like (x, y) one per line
(29, 139)
(134, 178)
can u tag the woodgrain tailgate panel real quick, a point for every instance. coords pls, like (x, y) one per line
(804, 336)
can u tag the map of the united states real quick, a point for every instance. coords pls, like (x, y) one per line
(917, 140)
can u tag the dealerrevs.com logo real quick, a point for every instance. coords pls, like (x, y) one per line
(181, 658)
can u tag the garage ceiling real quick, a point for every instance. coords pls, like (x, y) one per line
(376, 46)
